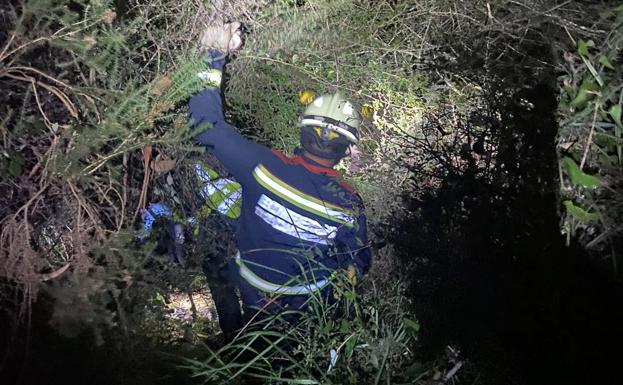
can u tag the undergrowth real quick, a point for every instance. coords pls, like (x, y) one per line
(362, 338)
(591, 139)
(95, 104)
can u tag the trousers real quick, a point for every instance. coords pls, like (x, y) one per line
(216, 242)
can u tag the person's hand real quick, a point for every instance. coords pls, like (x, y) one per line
(225, 38)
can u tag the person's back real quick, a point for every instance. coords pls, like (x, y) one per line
(295, 217)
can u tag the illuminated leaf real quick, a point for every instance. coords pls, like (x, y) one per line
(584, 93)
(615, 112)
(411, 325)
(583, 46)
(579, 213)
(577, 176)
(603, 60)
(350, 345)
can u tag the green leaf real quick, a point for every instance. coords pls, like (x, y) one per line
(15, 166)
(345, 326)
(579, 213)
(349, 295)
(615, 112)
(412, 325)
(585, 93)
(350, 346)
(577, 176)
(583, 46)
(160, 298)
(603, 60)
(593, 71)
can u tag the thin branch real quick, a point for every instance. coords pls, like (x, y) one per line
(589, 141)
(54, 274)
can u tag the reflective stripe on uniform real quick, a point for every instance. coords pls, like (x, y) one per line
(212, 76)
(231, 205)
(292, 223)
(221, 194)
(338, 129)
(300, 199)
(269, 287)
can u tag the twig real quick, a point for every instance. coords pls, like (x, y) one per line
(590, 137)
(143, 197)
(37, 166)
(603, 236)
(25, 206)
(54, 274)
(6, 55)
(60, 94)
(124, 195)
(46, 121)
(453, 371)
(82, 203)
(7, 45)
(21, 68)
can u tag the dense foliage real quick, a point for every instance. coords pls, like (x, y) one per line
(93, 125)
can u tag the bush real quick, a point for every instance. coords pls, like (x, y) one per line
(88, 87)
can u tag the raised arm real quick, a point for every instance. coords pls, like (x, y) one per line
(237, 153)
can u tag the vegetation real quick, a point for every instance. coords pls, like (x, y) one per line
(93, 125)
(590, 139)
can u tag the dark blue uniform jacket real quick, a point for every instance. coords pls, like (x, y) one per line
(298, 222)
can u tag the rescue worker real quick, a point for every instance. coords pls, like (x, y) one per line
(299, 223)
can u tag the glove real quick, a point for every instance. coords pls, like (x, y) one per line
(351, 274)
(225, 38)
(177, 251)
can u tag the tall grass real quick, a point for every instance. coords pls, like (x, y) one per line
(360, 338)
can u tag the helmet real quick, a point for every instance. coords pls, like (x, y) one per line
(329, 126)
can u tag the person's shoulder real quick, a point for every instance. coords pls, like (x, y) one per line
(347, 186)
(281, 156)
(348, 194)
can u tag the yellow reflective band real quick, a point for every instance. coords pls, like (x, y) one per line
(211, 76)
(230, 206)
(304, 201)
(269, 287)
(221, 194)
(330, 135)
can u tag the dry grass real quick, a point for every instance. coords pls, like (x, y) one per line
(52, 216)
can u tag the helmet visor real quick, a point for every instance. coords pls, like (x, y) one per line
(349, 132)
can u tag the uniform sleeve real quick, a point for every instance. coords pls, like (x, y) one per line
(238, 154)
(353, 246)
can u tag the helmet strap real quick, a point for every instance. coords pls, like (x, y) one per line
(314, 145)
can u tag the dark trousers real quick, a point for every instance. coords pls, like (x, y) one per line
(221, 272)
(221, 278)
(260, 306)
